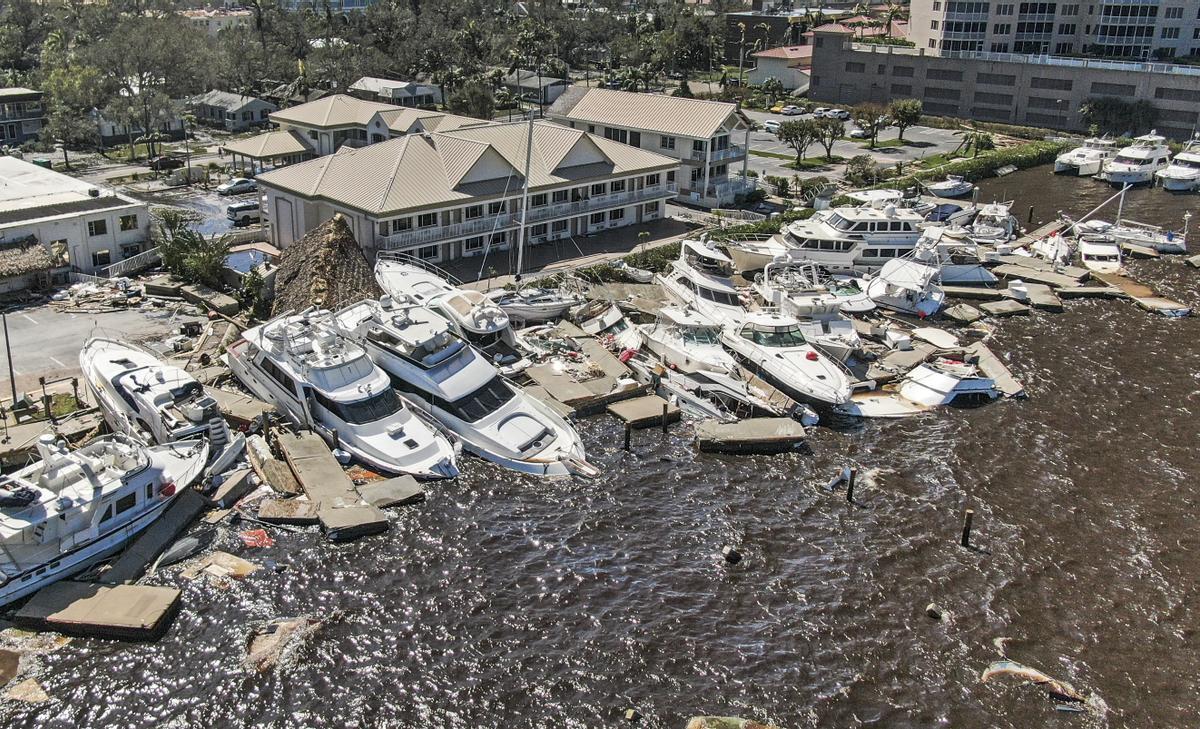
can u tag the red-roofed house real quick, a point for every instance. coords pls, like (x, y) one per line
(789, 64)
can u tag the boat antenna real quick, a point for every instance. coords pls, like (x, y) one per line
(524, 199)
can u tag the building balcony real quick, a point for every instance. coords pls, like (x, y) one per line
(967, 17)
(718, 155)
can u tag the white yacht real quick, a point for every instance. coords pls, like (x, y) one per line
(1087, 160)
(792, 289)
(773, 347)
(906, 286)
(472, 315)
(940, 382)
(993, 224)
(840, 240)
(1137, 163)
(319, 379)
(145, 398)
(953, 186)
(1183, 174)
(71, 509)
(439, 373)
(724, 396)
(1100, 253)
(533, 305)
(958, 261)
(687, 341)
(700, 279)
(1141, 234)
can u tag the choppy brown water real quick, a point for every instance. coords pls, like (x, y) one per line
(506, 602)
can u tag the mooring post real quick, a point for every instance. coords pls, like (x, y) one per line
(46, 402)
(628, 434)
(966, 533)
(337, 441)
(1029, 217)
(850, 485)
(664, 419)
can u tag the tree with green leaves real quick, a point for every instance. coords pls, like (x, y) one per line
(871, 118)
(186, 252)
(473, 99)
(799, 134)
(1117, 116)
(828, 132)
(905, 113)
(773, 88)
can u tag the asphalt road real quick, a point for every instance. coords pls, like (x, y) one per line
(926, 141)
(46, 343)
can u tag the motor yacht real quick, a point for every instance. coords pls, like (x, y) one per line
(1137, 163)
(772, 346)
(792, 289)
(993, 225)
(319, 379)
(686, 340)
(440, 374)
(1088, 159)
(700, 279)
(70, 509)
(156, 403)
(950, 214)
(906, 286)
(954, 186)
(958, 261)
(533, 305)
(472, 315)
(941, 382)
(1183, 174)
(840, 240)
(1100, 253)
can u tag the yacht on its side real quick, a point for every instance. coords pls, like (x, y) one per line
(319, 379)
(958, 261)
(1183, 174)
(145, 398)
(773, 347)
(472, 315)
(533, 305)
(1137, 163)
(908, 287)
(444, 376)
(71, 509)
(1141, 234)
(700, 279)
(1088, 159)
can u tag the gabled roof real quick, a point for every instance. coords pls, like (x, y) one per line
(789, 53)
(405, 120)
(652, 112)
(271, 144)
(430, 170)
(337, 110)
(19, 93)
(224, 100)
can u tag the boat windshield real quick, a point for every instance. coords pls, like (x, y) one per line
(1187, 163)
(700, 335)
(482, 402)
(723, 298)
(360, 412)
(768, 336)
(837, 221)
(1127, 160)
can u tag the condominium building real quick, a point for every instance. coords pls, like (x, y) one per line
(22, 116)
(702, 135)
(448, 194)
(1135, 29)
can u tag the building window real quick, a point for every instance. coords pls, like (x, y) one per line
(599, 188)
(399, 225)
(855, 67)
(651, 208)
(558, 226)
(538, 230)
(591, 128)
(128, 223)
(905, 71)
(933, 43)
(1063, 48)
(933, 25)
(538, 200)
(1004, 10)
(652, 180)
(671, 176)
(1066, 29)
(1174, 13)
(427, 253)
(617, 135)
(597, 218)
(999, 48)
(697, 145)
(937, 5)
(560, 196)
(617, 186)
(427, 220)
(618, 214)
(666, 142)
(101, 258)
(97, 227)
(635, 139)
(1170, 33)
(1001, 29)
(473, 211)
(1067, 10)
(472, 245)
(496, 208)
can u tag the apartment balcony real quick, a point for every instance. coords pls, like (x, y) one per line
(718, 155)
(967, 17)
(964, 35)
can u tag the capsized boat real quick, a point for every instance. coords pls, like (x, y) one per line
(907, 286)
(953, 186)
(71, 509)
(1183, 174)
(993, 225)
(942, 381)
(724, 396)
(443, 376)
(1137, 163)
(686, 340)
(1100, 253)
(638, 275)
(1088, 159)
(319, 379)
(773, 347)
(475, 317)
(147, 399)
(958, 261)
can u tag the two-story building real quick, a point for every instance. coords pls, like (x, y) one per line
(83, 227)
(232, 112)
(448, 194)
(334, 121)
(703, 135)
(22, 116)
(400, 93)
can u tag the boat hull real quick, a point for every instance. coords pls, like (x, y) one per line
(1176, 184)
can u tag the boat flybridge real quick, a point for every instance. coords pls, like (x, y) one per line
(687, 341)
(1088, 159)
(840, 240)
(773, 346)
(792, 288)
(1100, 253)
(701, 279)
(157, 403)
(319, 379)
(1138, 163)
(442, 375)
(958, 261)
(472, 315)
(1183, 174)
(71, 509)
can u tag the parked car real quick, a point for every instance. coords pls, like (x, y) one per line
(857, 133)
(162, 164)
(243, 213)
(838, 114)
(820, 111)
(771, 125)
(776, 109)
(791, 110)
(237, 186)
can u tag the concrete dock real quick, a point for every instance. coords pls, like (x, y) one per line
(644, 412)
(980, 293)
(1008, 307)
(752, 435)
(237, 408)
(129, 612)
(962, 313)
(1041, 297)
(132, 563)
(1144, 296)
(340, 509)
(1050, 278)
(1091, 292)
(585, 393)
(991, 366)
(1037, 264)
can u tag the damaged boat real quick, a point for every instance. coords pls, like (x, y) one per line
(773, 347)
(941, 382)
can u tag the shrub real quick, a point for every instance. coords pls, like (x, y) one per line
(862, 170)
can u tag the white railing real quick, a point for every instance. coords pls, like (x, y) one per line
(444, 232)
(77, 277)
(720, 154)
(133, 264)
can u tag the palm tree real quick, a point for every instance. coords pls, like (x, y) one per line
(891, 14)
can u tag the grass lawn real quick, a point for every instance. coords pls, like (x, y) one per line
(816, 163)
(773, 155)
(935, 160)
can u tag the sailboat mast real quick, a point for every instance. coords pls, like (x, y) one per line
(524, 198)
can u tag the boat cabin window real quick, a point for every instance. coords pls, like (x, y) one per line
(1125, 160)
(859, 227)
(769, 336)
(149, 491)
(126, 502)
(700, 335)
(108, 513)
(723, 298)
(1187, 163)
(482, 402)
(837, 221)
(277, 374)
(359, 412)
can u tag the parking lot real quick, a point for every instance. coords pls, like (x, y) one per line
(921, 142)
(208, 204)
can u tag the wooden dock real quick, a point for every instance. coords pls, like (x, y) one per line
(584, 394)
(752, 435)
(155, 539)
(644, 412)
(1144, 296)
(342, 512)
(1133, 250)
(128, 612)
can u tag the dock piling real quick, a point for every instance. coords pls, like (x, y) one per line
(850, 485)
(628, 434)
(664, 418)
(337, 441)
(731, 555)
(1029, 217)
(966, 532)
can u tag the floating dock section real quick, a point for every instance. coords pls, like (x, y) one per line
(584, 395)
(1144, 296)
(645, 411)
(342, 512)
(752, 435)
(128, 612)
(156, 538)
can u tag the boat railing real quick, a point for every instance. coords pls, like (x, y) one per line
(410, 259)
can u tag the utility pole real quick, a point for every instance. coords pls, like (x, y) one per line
(12, 380)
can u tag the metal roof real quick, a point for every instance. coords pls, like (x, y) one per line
(338, 110)
(672, 115)
(271, 144)
(224, 100)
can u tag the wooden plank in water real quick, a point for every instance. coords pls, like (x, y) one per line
(1133, 250)
(1091, 292)
(130, 612)
(644, 412)
(1124, 283)
(752, 435)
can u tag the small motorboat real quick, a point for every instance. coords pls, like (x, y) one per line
(908, 287)
(951, 214)
(940, 382)
(687, 341)
(1141, 234)
(773, 347)
(637, 275)
(1100, 253)
(533, 305)
(954, 186)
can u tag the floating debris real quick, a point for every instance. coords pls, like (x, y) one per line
(1058, 690)
(28, 691)
(726, 722)
(279, 641)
